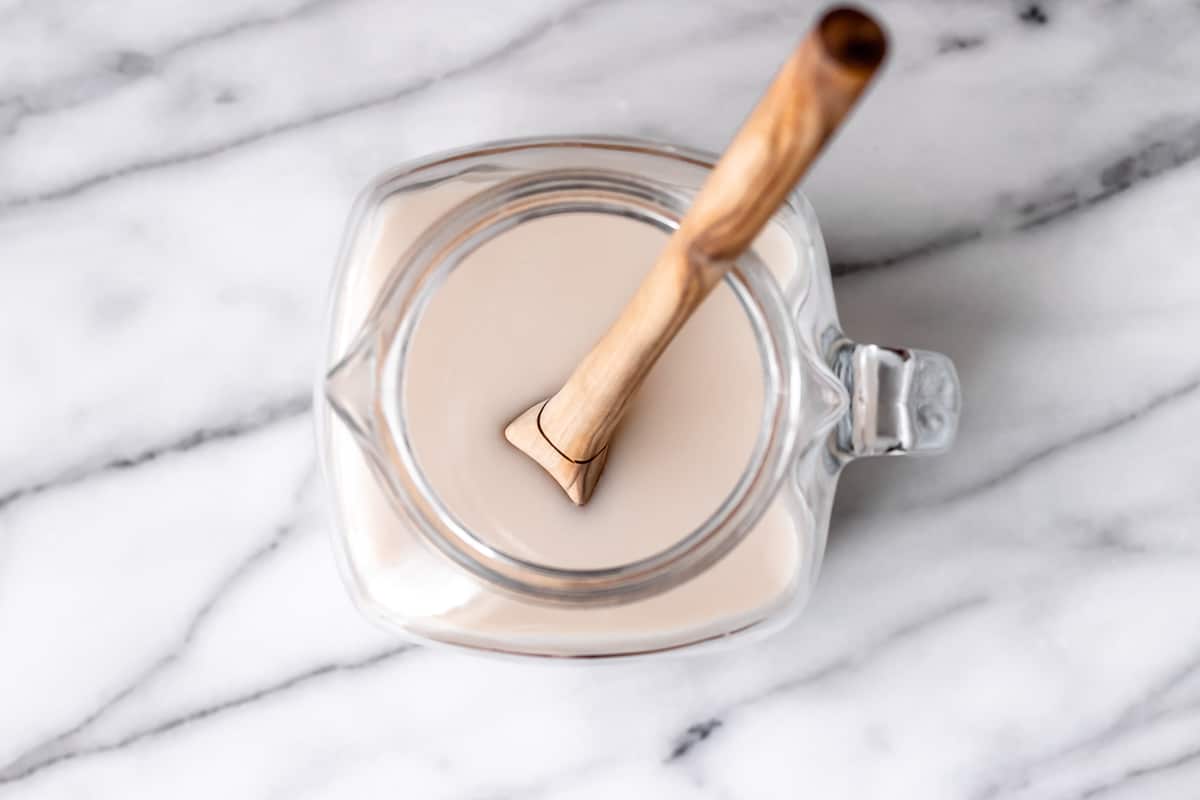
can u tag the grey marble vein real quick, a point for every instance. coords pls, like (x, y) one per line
(1165, 399)
(265, 416)
(128, 66)
(1137, 773)
(54, 748)
(939, 243)
(19, 773)
(694, 735)
(851, 661)
(1033, 13)
(1148, 709)
(514, 44)
(951, 42)
(1160, 148)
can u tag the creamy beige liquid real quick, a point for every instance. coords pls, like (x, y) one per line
(504, 330)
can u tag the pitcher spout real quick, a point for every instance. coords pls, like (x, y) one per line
(351, 389)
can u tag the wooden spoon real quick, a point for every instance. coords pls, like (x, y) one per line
(568, 434)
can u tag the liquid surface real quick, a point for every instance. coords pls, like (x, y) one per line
(402, 582)
(508, 326)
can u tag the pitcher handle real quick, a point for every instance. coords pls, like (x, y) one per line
(902, 401)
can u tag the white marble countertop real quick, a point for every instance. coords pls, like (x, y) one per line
(1019, 619)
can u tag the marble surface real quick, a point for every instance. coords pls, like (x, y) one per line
(1018, 620)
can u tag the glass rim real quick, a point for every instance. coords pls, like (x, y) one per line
(498, 208)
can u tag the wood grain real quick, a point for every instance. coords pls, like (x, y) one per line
(808, 99)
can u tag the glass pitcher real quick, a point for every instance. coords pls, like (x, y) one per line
(412, 566)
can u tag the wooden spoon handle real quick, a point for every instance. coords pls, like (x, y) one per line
(803, 106)
(775, 146)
